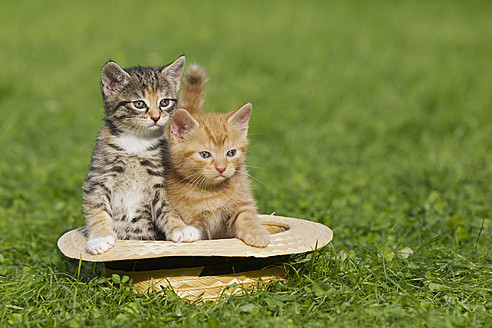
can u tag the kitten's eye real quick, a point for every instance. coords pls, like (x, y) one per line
(204, 154)
(165, 103)
(139, 104)
(231, 153)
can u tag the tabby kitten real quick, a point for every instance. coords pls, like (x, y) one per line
(124, 188)
(207, 186)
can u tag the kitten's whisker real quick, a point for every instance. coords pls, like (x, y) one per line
(252, 177)
(192, 178)
(195, 182)
(255, 167)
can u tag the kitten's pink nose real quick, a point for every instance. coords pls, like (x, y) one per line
(155, 118)
(221, 169)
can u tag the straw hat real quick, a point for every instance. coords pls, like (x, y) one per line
(204, 268)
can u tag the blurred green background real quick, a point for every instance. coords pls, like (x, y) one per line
(372, 117)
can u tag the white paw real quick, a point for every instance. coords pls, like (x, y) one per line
(187, 235)
(100, 244)
(190, 234)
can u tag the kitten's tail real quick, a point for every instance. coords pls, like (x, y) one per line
(193, 95)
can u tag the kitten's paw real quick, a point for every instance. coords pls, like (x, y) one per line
(190, 234)
(255, 237)
(100, 244)
(187, 235)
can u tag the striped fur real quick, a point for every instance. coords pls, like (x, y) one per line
(211, 197)
(124, 188)
(194, 89)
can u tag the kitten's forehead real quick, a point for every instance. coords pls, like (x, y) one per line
(148, 81)
(217, 132)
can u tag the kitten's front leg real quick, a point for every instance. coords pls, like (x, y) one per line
(171, 224)
(249, 229)
(176, 230)
(101, 236)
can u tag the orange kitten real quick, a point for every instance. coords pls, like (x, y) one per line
(207, 186)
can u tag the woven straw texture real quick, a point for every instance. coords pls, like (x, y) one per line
(288, 236)
(186, 282)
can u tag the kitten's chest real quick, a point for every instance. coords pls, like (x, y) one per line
(134, 145)
(215, 205)
(210, 208)
(137, 180)
(131, 175)
(132, 186)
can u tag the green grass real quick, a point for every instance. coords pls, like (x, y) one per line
(373, 118)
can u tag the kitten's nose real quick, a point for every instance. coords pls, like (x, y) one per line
(155, 118)
(221, 169)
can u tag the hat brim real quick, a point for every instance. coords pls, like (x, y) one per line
(288, 236)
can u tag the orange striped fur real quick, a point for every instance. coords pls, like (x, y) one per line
(207, 185)
(193, 95)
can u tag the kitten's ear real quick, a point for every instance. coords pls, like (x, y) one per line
(174, 70)
(240, 118)
(113, 78)
(181, 124)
